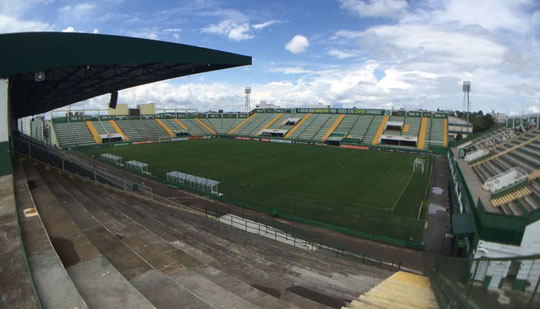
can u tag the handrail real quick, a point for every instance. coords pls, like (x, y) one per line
(36, 150)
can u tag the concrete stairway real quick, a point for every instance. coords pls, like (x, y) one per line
(401, 290)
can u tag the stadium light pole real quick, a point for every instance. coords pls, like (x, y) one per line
(466, 102)
(538, 113)
(247, 91)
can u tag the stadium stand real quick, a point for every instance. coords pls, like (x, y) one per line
(207, 127)
(412, 125)
(243, 122)
(324, 127)
(175, 125)
(380, 130)
(347, 124)
(165, 127)
(424, 131)
(280, 123)
(133, 251)
(195, 127)
(336, 123)
(118, 130)
(142, 130)
(223, 125)
(269, 123)
(73, 134)
(254, 124)
(507, 153)
(365, 127)
(312, 129)
(104, 127)
(436, 132)
(94, 132)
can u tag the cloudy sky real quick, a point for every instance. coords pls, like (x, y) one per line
(364, 53)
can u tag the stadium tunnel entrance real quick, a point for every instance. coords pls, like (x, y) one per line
(42, 71)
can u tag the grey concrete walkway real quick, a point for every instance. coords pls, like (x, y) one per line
(438, 212)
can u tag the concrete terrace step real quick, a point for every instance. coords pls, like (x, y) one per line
(53, 284)
(98, 282)
(135, 268)
(201, 255)
(283, 256)
(169, 260)
(194, 247)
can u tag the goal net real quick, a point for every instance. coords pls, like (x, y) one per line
(419, 165)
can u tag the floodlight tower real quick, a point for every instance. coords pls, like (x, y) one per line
(248, 93)
(466, 102)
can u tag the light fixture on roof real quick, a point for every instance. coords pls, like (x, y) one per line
(39, 76)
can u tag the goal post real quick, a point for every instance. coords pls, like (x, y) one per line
(419, 165)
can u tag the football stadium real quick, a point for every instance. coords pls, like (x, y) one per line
(309, 207)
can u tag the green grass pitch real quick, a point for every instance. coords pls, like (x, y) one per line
(368, 191)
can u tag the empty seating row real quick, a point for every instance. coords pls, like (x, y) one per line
(279, 124)
(310, 130)
(347, 124)
(104, 127)
(144, 129)
(413, 124)
(322, 131)
(73, 134)
(436, 135)
(523, 157)
(254, 125)
(370, 130)
(222, 125)
(195, 128)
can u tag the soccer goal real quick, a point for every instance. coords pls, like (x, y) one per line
(419, 165)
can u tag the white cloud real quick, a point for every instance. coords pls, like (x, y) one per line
(374, 8)
(10, 24)
(341, 54)
(298, 44)
(69, 29)
(265, 24)
(236, 30)
(430, 43)
(96, 31)
(79, 13)
(231, 29)
(491, 15)
(292, 70)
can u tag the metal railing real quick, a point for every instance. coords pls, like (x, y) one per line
(276, 230)
(54, 157)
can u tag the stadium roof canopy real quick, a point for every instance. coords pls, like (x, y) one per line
(48, 70)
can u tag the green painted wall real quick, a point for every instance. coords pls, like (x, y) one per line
(5, 158)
